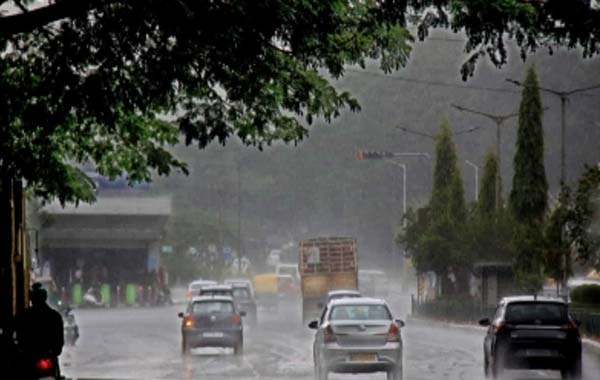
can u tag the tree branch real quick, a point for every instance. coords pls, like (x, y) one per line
(37, 18)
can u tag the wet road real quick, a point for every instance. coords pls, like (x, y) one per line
(145, 344)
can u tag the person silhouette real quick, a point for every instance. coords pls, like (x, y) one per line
(39, 329)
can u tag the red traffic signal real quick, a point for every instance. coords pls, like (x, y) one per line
(368, 155)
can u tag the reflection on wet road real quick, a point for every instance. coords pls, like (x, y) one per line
(145, 344)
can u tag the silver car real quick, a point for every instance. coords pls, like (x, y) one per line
(357, 335)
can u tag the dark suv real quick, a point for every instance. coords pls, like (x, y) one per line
(212, 322)
(532, 333)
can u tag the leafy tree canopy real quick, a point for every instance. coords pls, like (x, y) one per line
(528, 198)
(85, 81)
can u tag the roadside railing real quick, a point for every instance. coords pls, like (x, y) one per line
(451, 310)
(462, 311)
(589, 315)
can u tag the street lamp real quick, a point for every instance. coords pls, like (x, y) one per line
(388, 157)
(499, 120)
(474, 166)
(564, 97)
(433, 137)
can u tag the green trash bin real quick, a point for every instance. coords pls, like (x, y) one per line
(76, 295)
(130, 294)
(105, 294)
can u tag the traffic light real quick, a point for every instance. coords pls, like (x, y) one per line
(369, 155)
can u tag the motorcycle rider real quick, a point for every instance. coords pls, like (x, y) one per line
(39, 329)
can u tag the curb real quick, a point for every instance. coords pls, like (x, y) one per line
(589, 344)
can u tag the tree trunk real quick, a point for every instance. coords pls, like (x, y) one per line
(7, 249)
(7, 269)
(14, 272)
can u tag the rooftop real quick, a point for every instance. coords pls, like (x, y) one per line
(358, 301)
(212, 298)
(160, 205)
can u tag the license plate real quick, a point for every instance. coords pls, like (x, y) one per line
(212, 334)
(539, 353)
(363, 357)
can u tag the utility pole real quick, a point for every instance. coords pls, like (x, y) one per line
(564, 98)
(403, 167)
(474, 166)
(239, 216)
(499, 120)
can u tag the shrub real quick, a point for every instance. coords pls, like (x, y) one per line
(586, 294)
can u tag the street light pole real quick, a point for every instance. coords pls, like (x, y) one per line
(476, 178)
(239, 216)
(403, 167)
(564, 97)
(499, 120)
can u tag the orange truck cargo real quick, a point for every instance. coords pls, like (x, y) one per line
(325, 264)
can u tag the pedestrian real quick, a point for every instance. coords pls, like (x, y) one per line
(39, 329)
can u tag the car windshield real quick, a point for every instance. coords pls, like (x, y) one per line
(287, 270)
(359, 312)
(536, 313)
(209, 307)
(242, 293)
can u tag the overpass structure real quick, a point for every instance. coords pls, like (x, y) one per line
(114, 241)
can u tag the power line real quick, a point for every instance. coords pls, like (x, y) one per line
(443, 84)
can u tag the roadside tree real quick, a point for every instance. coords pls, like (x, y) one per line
(528, 198)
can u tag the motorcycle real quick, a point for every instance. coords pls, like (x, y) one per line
(37, 367)
(92, 298)
(45, 368)
(164, 297)
(71, 330)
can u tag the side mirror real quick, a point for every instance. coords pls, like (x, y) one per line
(313, 325)
(484, 322)
(243, 313)
(180, 315)
(400, 323)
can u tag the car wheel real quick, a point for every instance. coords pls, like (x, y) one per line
(573, 372)
(497, 365)
(322, 373)
(395, 373)
(185, 348)
(238, 349)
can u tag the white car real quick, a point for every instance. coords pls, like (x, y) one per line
(288, 269)
(195, 286)
(274, 257)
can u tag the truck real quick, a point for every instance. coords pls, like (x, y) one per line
(325, 264)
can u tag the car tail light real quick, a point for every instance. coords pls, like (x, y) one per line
(328, 335)
(237, 319)
(393, 334)
(44, 364)
(570, 327)
(188, 322)
(502, 328)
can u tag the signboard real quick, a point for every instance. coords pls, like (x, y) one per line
(227, 253)
(314, 255)
(167, 249)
